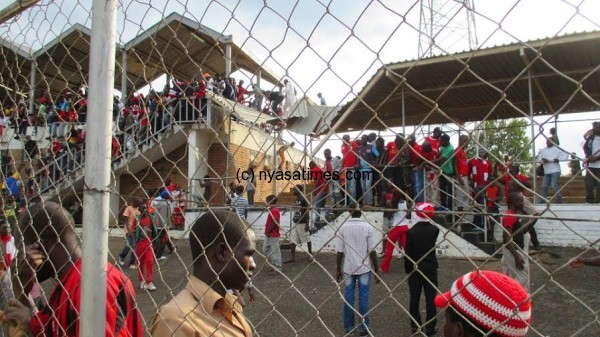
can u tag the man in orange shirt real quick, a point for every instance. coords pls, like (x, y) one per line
(130, 213)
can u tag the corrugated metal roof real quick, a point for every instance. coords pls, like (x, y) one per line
(308, 118)
(482, 84)
(176, 45)
(243, 112)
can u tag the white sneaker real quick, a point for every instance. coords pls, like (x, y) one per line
(143, 285)
(121, 261)
(162, 258)
(150, 286)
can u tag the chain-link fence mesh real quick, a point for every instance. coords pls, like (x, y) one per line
(294, 115)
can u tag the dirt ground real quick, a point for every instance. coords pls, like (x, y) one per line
(307, 302)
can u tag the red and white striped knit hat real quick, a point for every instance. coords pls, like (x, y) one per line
(491, 300)
(424, 211)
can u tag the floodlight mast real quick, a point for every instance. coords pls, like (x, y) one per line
(445, 24)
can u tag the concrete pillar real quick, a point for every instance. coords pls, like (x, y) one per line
(32, 89)
(228, 60)
(124, 77)
(115, 201)
(198, 143)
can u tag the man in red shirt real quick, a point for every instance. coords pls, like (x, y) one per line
(429, 157)
(463, 190)
(241, 93)
(480, 171)
(391, 171)
(434, 139)
(350, 162)
(320, 190)
(418, 173)
(53, 251)
(271, 244)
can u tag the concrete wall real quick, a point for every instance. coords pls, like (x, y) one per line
(581, 227)
(449, 244)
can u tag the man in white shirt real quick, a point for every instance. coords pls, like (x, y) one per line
(321, 99)
(356, 248)
(592, 163)
(551, 156)
(290, 96)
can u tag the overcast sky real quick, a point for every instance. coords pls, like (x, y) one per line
(332, 47)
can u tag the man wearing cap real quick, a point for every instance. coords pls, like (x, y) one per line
(356, 248)
(591, 148)
(421, 264)
(485, 303)
(434, 139)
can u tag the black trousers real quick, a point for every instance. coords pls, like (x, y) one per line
(161, 242)
(446, 191)
(426, 282)
(592, 185)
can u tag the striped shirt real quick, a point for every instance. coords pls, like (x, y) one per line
(355, 239)
(241, 203)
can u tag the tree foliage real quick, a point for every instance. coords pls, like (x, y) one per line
(505, 137)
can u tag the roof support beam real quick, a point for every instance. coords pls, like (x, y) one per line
(527, 63)
(15, 8)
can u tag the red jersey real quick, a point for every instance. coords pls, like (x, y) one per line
(318, 176)
(61, 317)
(415, 154)
(392, 151)
(508, 178)
(241, 93)
(273, 221)
(481, 170)
(461, 161)
(509, 220)
(491, 195)
(430, 156)
(349, 154)
(435, 143)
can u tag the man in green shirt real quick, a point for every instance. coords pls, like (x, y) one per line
(448, 171)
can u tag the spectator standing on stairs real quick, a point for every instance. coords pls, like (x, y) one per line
(281, 153)
(551, 156)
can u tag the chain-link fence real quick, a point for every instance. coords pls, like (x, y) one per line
(376, 151)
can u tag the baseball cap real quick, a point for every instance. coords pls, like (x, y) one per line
(492, 301)
(424, 211)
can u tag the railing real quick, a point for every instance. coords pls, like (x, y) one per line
(186, 111)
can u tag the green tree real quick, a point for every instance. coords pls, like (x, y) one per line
(505, 137)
